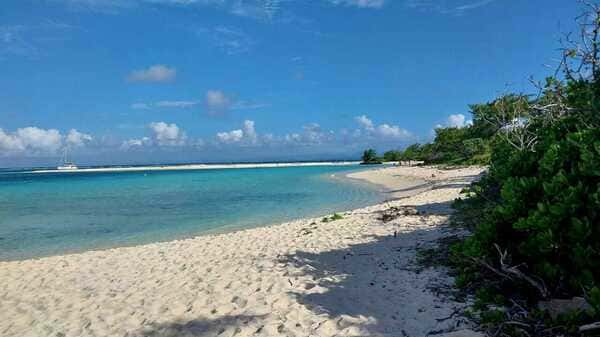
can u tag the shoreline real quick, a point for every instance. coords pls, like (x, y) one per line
(345, 178)
(298, 278)
(191, 167)
(342, 178)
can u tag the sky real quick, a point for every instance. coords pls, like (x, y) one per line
(173, 81)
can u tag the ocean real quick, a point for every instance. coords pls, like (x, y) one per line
(43, 214)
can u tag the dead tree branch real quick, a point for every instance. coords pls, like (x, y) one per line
(512, 272)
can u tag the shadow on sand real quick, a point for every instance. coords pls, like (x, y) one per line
(375, 285)
(380, 281)
(201, 327)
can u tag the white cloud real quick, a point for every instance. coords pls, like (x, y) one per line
(458, 121)
(76, 138)
(247, 135)
(312, 134)
(360, 3)
(249, 131)
(165, 134)
(132, 143)
(217, 102)
(364, 122)
(383, 131)
(315, 135)
(30, 141)
(392, 131)
(10, 143)
(229, 137)
(37, 139)
(155, 73)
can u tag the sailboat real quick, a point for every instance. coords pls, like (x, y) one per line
(66, 164)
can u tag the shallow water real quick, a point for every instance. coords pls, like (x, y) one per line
(49, 214)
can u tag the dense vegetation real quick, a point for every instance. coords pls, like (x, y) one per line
(535, 215)
(471, 144)
(370, 157)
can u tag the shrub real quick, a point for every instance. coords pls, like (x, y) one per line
(547, 209)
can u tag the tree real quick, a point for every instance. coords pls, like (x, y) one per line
(412, 152)
(392, 156)
(370, 157)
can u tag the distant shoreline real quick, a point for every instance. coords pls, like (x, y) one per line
(176, 167)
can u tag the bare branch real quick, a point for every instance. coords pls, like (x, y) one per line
(512, 273)
(589, 327)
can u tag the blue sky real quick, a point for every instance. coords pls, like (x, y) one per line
(147, 81)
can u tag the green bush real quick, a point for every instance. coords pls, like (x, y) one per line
(546, 208)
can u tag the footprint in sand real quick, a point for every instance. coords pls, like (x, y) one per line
(240, 302)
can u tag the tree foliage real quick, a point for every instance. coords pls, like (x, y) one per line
(538, 207)
(392, 156)
(370, 157)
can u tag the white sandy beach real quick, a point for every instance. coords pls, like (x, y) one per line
(350, 277)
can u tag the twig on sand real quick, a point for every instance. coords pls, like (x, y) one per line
(447, 318)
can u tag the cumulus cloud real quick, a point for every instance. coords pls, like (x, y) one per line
(132, 143)
(233, 136)
(161, 134)
(364, 122)
(392, 131)
(10, 143)
(360, 3)
(312, 134)
(458, 121)
(155, 73)
(250, 132)
(217, 102)
(382, 131)
(165, 134)
(246, 135)
(76, 138)
(30, 141)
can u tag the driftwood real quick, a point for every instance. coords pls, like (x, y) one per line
(589, 327)
(396, 212)
(513, 272)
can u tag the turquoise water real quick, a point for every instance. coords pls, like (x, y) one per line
(49, 214)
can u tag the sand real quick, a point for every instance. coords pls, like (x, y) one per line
(193, 167)
(350, 277)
